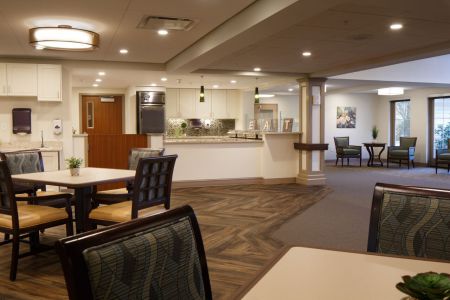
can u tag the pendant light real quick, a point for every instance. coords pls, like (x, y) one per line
(256, 93)
(202, 92)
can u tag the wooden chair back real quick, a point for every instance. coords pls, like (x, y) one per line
(8, 205)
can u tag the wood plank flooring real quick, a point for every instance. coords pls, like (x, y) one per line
(236, 223)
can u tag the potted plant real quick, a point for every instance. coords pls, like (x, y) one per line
(374, 132)
(426, 286)
(183, 128)
(74, 165)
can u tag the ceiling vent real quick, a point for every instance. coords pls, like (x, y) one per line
(156, 23)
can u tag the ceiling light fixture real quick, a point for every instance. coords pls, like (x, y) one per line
(233, 81)
(290, 90)
(163, 79)
(101, 73)
(163, 32)
(153, 84)
(39, 47)
(306, 53)
(95, 85)
(98, 80)
(396, 26)
(202, 91)
(257, 69)
(216, 86)
(63, 37)
(391, 91)
(123, 51)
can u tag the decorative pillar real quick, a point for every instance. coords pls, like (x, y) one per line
(311, 147)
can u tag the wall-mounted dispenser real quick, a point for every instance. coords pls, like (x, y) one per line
(57, 126)
(21, 118)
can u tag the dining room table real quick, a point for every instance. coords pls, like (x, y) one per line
(83, 186)
(320, 274)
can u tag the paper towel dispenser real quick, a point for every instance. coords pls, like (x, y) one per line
(21, 118)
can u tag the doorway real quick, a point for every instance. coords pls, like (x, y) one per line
(101, 114)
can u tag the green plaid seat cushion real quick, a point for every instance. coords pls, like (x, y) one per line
(399, 154)
(444, 156)
(414, 225)
(349, 151)
(161, 263)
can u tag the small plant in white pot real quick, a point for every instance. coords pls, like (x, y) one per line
(74, 165)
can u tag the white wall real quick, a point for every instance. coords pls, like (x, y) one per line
(366, 110)
(419, 116)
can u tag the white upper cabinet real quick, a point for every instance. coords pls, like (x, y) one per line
(22, 79)
(187, 103)
(233, 104)
(172, 103)
(203, 109)
(49, 82)
(3, 81)
(219, 104)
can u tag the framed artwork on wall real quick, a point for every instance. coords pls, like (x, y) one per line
(346, 117)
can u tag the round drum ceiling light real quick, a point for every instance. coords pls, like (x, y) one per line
(391, 91)
(63, 37)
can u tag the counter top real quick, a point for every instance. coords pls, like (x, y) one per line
(210, 140)
(280, 133)
(45, 149)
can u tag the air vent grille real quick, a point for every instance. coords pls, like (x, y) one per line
(155, 23)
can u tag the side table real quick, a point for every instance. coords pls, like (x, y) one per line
(370, 148)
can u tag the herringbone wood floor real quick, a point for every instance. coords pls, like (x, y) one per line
(236, 223)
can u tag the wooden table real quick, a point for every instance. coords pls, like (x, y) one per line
(307, 273)
(370, 148)
(83, 186)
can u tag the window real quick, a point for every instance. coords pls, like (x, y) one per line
(400, 120)
(441, 122)
(90, 114)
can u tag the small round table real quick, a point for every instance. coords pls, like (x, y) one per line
(369, 147)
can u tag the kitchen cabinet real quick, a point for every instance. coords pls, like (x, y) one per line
(51, 162)
(219, 104)
(49, 82)
(3, 81)
(187, 103)
(203, 109)
(21, 80)
(172, 103)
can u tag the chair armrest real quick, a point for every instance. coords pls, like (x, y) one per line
(411, 150)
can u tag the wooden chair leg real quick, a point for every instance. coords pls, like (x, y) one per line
(448, 168)
(337, 160)
(408, 164)
(387, 163)
(14, 257)
(6, 237)
(342, 161)
(348, 161)
(360, 160)
(69, 228)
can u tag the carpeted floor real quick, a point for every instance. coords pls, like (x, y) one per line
(341, 219)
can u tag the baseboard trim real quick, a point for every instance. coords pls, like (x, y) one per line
(231, 181)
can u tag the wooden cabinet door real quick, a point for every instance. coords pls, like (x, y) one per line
(233, 104)
(22, 79)
(203, 109)
(187, 103)
(49, 82)
(3, 81)
(219, 104)
(172, 103)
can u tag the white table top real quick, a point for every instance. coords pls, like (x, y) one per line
(315, 274)
(88, 177)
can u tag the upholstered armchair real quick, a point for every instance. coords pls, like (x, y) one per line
(405, 151)
(345, 150)
(443, 157)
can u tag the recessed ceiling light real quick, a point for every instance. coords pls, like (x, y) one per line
(391, 91)
(163, 79)
(257, 69)
(153, 84)
(306, 53)
(216, 86)
(233, 81)
(396, 26)
(95, 85)
(123, 51)
(290, 90)
(266, 95)
(39, 47)
(63, 37)
(101, 73)
(163, 32)
(98, 80)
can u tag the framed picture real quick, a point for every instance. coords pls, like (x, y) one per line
(346, 117)
(287, 124)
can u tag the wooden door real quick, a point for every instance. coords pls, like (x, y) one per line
(101, 117)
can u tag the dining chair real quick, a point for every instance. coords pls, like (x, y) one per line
(125, 194)
(406, 151)
(22, 220)
(410, 221)
(157, 257)
(443, 157)
(345, 150)
(152, 186)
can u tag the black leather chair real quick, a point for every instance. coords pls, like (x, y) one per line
(345, 150)
(158, 257)
(410, 221)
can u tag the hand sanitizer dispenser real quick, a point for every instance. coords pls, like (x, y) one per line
(57, 126)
